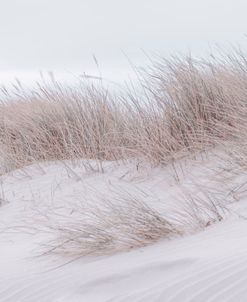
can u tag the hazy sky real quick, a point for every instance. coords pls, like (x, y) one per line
(63, 35)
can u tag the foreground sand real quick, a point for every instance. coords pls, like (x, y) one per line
(210, 265)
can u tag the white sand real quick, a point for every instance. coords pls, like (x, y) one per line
(210, 265)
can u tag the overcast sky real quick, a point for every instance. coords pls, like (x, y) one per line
(63, 35)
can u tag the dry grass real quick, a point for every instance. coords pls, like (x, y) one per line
(119, 224)
(187, 105)
(115, 226)
(59, 123)
(191, 105)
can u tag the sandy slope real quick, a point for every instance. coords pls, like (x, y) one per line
(208, 266)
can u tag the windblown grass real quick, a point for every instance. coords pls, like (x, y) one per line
(187, 105)
(115, 226)
(119, 224)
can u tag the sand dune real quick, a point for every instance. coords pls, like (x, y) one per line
(210, 265)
